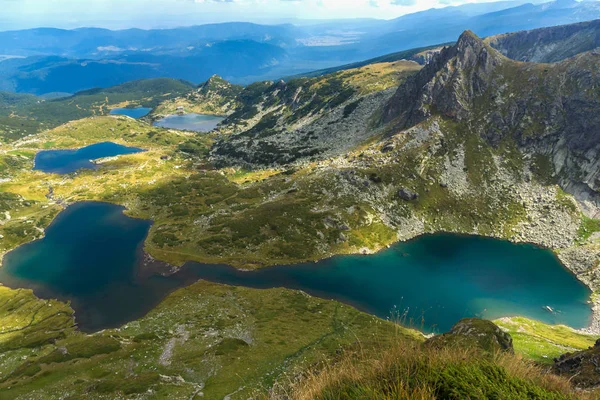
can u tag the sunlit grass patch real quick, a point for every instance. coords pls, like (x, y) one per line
(542, 342)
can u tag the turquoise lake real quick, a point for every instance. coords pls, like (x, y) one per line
(190, 122)
(131, 112)
(67, 161)
(92, 255)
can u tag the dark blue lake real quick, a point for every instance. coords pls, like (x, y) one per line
(92, 255)
(67, 161)
(190, 122)
(131, 112)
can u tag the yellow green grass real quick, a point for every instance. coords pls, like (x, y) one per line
(409, 371)
(541, 342)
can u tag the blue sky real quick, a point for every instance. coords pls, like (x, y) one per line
(17, 14)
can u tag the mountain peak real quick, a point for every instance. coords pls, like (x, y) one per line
(473, 51)
(468, 35)
(468, 39)
(447, 84)
(214, 79)
(215, 82)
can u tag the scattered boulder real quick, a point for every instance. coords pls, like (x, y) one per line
(388, 147)
(474, 333)
(332, 223)
(407, 194)
(375, 178)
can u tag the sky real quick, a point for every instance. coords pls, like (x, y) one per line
(119, 14)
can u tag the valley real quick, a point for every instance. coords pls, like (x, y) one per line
(467, 152)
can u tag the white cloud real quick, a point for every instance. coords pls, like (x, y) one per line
(162, 13)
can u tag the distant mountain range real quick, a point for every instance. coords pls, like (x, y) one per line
(47, 60)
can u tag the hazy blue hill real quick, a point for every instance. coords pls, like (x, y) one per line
(75, 76)
(444, 25)
(39, 41)
(231, 59)
(15, 99)
(530, 16)
(95, 42)
(158, 85)
(457, 13)
(74, 60)
(89, 42)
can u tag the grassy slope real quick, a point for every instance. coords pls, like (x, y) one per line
(206, 338)
(541, 342)
(389, 58)
(408, 372)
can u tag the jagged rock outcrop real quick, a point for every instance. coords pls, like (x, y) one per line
(548, 110)
(447, 85)
(426, 56)
(583, 367)
(548, 45)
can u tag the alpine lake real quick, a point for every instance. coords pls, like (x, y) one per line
(92, 255)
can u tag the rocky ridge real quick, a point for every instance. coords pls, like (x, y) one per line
(548, 45)
(548, 110)
(307, 119)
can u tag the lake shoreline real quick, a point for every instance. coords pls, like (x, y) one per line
(133, 112)
(147, 267)
(66, 161)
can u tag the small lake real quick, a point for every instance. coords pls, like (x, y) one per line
(67, 161)
(92, 255)
(190, 122)
(138, 112)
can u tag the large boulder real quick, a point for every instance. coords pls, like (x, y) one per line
(407, 194)
(474, 333)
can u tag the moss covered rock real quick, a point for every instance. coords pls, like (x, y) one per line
(474, 333)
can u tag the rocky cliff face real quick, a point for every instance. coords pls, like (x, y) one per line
(447, 85)
(547, 110)
(548, 45)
